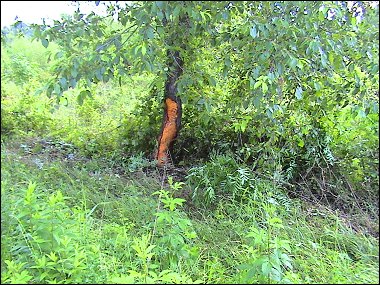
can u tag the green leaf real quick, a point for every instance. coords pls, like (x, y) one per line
(243, 125)
(324, 59)
(227, 62)
(362, 113)
(300, 64)
(212, 81)
(275, 220)
(253, 32)
(208, 106)
(276, 274)
(321, 16)
(317, 85)
(74, 73)
(99, 75)
(353, 21)
(45, 42)
(266, 267)
(257, 84)
(160, 15)
(37, 31)
(293, 62)
(201, 101)
(285, 24)
(57, 89)
(271, 77)
(150, 33)
(176, 11)
(143, 49)
(116, 60)
(63, 83)
(73, 82)
(58, 55)
(285, 259)
(82, 95)
(299, 93)
(269, 113)
(264, 87)
(331, 58)
(257, 101)
(251, 82)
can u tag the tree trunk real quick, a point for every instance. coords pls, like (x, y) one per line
(171, 123)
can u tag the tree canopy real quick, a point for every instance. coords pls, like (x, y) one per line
(281, 66)
(272, 41)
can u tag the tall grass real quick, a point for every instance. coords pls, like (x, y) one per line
(127, 228)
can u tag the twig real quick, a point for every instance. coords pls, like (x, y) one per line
(130, 36)
(114, 37)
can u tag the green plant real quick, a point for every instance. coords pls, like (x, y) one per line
(138, 163)
(268, 254)
(24, 114)
(161, 252)
(48, 242)
(15, 273)
(19, 70)
(215, 179)
(147, 271)
(172, 232)
(223, 178)
(109, 214)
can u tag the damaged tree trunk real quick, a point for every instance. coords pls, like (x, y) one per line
(171, 123)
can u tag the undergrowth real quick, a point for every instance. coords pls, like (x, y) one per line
(82, 221)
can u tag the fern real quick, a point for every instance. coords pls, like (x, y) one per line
(283, 200)
(245, 174)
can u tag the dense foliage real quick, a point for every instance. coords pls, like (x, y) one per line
(289, 76)
(277, 155)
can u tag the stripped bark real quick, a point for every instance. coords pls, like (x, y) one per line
(171, 123)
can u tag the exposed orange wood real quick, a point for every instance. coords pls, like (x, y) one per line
(169, 131)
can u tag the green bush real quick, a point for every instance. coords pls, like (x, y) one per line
(46, 241)
(19, 70)
(23, 112)
(223, 178)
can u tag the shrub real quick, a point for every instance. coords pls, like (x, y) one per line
(45, 241)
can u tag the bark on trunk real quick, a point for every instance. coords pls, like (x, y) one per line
(171, 123)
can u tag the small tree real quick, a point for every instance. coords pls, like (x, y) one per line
(297, 46)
